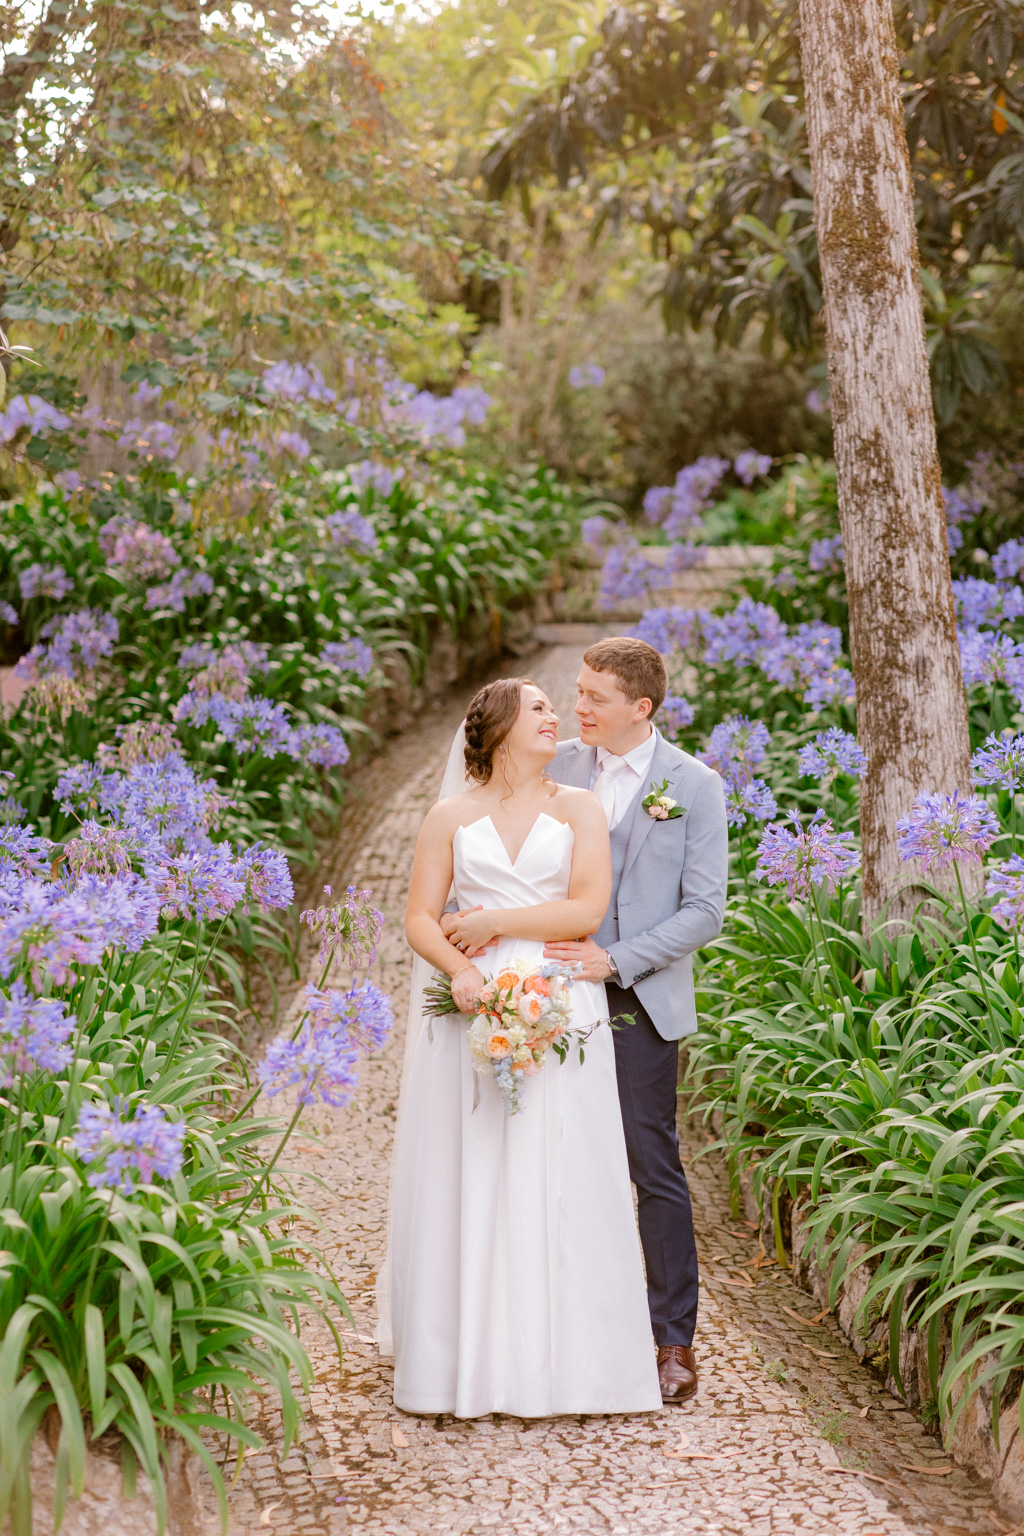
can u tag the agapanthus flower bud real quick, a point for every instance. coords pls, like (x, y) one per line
(349, 930)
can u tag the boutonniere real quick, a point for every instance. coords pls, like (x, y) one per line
(660, 806)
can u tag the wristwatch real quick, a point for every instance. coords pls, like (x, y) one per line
(613, 968)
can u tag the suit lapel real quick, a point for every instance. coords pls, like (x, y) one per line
(662, 767)
(577, 764)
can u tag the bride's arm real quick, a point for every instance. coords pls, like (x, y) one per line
(428, 891)
(590, 889)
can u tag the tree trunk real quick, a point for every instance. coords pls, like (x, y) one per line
(911, 708)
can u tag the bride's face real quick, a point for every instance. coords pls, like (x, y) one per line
(534, 736)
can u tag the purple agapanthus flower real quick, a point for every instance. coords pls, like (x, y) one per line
(182, 585)
(200, 887)
(150, 439)
(296, 381)
(981, 602)
(804, 857)
(88, 787)
(138, 551)
(826, 554)
(596, 531)
(351, 530)
(34, 1034)
(252, 725)
(831, 753)
(736, 746)
(126, 908)
(44, 581)
(379, 477)
(31, 412)
(1008, 560)
(628, 573)
(988, 657)
(319, 746)
(750, 465)
(265, 878)
(23, 853)
(142, 741)
(748, 799)
(129, 1147)
(352, 655)
(1000, 761)
(8, 614)
(1007, 883)
(671, 629)
(321, 1062)
(165, 800)
(349, 930)
(363, 1013)
(946, 829)
(77, 642)
(586, 376)
(103, 850)
(50, 933)
(675, 713)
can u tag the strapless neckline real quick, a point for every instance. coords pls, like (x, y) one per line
(513, 862)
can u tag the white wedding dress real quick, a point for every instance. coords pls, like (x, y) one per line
(516, 1282)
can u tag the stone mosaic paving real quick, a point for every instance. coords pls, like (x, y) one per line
(788, 1434)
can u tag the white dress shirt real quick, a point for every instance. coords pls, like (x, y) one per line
(635, 769)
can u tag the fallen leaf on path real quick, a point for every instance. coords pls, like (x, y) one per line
(363, 1338)
(821, 1353)
(809, 1321)
(929, 1471)
(744, 1235)
(682, 1444)
(872, 1477)
(265, 1516)
(741, 1280)
(864, 1412)
(825, 1312)
(399, 1438)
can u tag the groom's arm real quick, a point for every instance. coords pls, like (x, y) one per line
(703, 885)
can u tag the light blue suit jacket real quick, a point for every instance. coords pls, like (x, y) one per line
(669, 898)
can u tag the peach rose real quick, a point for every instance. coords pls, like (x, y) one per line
(530, 1008)
(538, 984)
(498, 1045)
(505, 980)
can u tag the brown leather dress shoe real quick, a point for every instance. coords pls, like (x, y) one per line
(677, 1372)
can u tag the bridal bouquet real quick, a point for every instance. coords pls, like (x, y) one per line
(520, 1015)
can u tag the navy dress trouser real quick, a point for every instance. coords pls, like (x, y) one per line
(647, 1068)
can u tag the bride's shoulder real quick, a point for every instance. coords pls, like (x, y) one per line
(446, 815)
(575, 804)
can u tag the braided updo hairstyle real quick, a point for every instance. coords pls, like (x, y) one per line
(492, 713)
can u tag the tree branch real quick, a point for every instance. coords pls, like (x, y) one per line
(22, 70)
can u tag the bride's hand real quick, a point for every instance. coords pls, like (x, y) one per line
(466, 988)
(472, 931)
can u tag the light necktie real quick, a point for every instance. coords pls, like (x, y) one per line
(604, 785)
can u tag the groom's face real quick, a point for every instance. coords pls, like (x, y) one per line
(607, 718)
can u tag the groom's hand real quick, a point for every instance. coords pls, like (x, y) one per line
(590, 957)
(449, 921)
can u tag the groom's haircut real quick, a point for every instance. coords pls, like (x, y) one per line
(639, 670)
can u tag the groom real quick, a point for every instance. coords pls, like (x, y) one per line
(668, 898)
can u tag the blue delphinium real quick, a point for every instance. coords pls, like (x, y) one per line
(128, 1148)
(1000, 761)
(352, 655)
(1007, 882)
(675, 713)
(748, 799)
(831, 753)
(363, 1013)
(803, 858)
(321, 1062)
(34, 1034)
(946, 829)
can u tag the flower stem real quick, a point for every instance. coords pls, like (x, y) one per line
(251, 1100)
(268, 1170)
(94, 1261)
(995, 1036)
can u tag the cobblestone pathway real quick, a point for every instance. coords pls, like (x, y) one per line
(788, 1433)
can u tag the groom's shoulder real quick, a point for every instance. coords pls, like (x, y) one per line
(685, 764)
(574, 744)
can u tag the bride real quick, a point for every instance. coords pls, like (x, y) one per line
(515, 1277)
